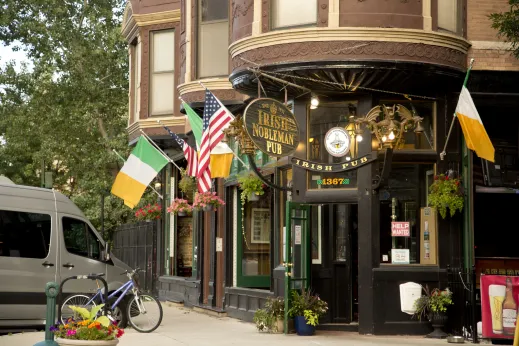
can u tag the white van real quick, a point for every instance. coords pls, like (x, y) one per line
(45, 237)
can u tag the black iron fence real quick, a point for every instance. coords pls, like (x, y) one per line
(463, 314)
(136, 245)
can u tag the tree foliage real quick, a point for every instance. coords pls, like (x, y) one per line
(69, 110)
(507, 24)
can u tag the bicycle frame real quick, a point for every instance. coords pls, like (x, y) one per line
(125, 288)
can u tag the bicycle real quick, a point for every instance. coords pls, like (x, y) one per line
(134, 310)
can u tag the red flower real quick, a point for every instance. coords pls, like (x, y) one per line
(98, 327)
(446, 178)
(457, 183)
(435, 177)
(120, 333)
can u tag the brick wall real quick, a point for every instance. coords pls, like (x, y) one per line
(487, 50)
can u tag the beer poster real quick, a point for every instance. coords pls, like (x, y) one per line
(499, 296)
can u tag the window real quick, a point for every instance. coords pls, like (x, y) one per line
(162, 82)
(320, 121)
(401, 202)
(316, 219)
(213, 39)
(412, 140)
(449, 15)
(136, 51)
(25, 235)
(254, 240)
(80, 239)
(287, 13)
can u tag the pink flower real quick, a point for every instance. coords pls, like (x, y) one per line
(71, 332)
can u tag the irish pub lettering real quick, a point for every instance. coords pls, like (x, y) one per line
(336, 167)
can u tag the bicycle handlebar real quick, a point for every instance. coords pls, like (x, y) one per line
(133, 272)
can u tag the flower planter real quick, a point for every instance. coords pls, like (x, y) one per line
(303, 328)
(208, 208)
(438, 321)
(279, 325)
(182, 213)
(69, 342)
(253, 197)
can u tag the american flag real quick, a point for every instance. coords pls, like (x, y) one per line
(189, 154)
(216, 119)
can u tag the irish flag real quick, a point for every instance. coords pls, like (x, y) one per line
(475, 134)
(144, 163)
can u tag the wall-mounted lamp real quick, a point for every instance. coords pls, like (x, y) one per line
(157, 186)
(314, 101)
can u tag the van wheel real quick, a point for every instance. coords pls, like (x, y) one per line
(119, 312)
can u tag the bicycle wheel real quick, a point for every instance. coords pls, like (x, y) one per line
(119, 312)
(144, 313)
(79, 300)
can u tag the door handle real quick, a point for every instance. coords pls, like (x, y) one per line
(68, 265)
(46, 264)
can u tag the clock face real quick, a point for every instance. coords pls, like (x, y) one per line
(337, 141)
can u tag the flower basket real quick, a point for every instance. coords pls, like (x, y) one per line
(306, 310)
(251, 187)
(180, 207)
(446, 193)
(187, 184)
(90, 330)
(434, 305)
(149, 212)
(207, 201)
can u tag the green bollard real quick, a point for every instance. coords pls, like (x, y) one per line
(51, 291)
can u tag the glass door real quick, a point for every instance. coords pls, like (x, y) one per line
(297, 257)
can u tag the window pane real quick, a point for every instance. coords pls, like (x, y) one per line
(412, 140)
(74, 232)
(214, 10)
(162, 89)
(316, 220)
(256, 238)
(163, 51)
(212, 50)
(401, 203)
(94, 248)
(283, 13)
(137, 80)
(25, 235)
(320, 121)
(448, 12)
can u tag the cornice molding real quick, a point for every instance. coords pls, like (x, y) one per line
(152, 123)
(210, 83)
(349, 34)
(133, 21)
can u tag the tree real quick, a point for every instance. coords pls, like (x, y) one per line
(507, 24)
(70, 110)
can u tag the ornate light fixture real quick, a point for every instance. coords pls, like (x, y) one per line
(389, 123)
(237, 130)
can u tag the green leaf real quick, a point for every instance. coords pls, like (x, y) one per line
(85, 314)
(103, 320)
(95, 310)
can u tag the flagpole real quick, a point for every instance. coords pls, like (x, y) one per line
(235, 155)
(160, 150)
(443, 153)
(123, 160)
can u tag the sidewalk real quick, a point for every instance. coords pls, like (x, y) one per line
(182, 326)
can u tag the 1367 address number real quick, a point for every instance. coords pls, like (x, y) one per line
(334, 181)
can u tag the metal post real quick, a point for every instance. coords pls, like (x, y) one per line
(51, 291)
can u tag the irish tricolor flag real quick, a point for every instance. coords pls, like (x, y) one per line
(475, 134)
(144, 163)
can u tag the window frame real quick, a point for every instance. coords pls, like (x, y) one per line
(296, 26)
(200, 23)
(152, 73)
(459, 20)
(88, 229)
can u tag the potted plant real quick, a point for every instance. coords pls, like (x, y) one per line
(445, 193)
(251, 187)
(271, 318)
(149, 212)
(208, 201)
(187, 184)
(434, 305)
(306, 309)
(89, 330)
(180, 207)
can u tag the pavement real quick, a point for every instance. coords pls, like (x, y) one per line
(182, 326)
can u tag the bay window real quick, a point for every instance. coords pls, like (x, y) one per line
(162, 72)
(283, 14)
(213, 38)
(449, 16)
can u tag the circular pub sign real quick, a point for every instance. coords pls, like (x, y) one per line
(337, 141)
(272, 127)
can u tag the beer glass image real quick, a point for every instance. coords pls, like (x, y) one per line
(496, 297)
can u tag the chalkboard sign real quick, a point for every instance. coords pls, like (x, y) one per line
(272, 127)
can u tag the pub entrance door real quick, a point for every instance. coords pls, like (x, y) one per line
(334, 230)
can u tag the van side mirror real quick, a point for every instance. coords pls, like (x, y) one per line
(107, 252)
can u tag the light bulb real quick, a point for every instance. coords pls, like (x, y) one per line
(313, 107)
(391, 135)
(359, 138)
(314, 101)
(348, 158)
(384, 138)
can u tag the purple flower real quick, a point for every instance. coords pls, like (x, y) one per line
(53, 328)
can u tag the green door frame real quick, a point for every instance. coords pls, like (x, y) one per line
(305, 253)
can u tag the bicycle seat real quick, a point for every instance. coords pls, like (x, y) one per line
(100, 274)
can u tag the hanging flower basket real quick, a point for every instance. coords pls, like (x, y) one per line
(251, 187)
(187, 184)
(149, 212)
(180, 207)
(207, 201)
(446, 193)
